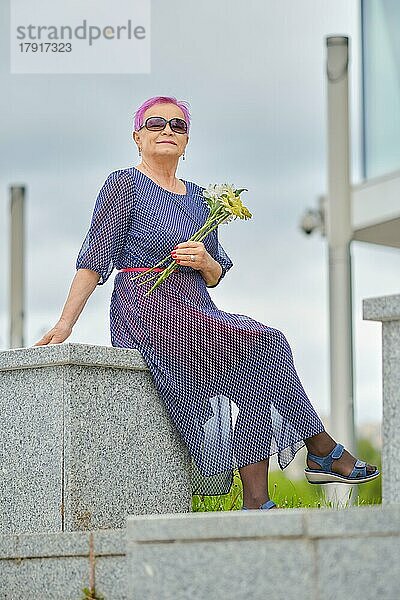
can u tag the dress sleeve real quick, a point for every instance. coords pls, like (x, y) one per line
(220, 256)
(109, 226)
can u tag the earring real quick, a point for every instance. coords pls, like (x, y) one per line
(140, 151)
(183, 156)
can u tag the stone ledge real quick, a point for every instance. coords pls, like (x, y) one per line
(357, 521)
(213, 526)
(284, 523)
(90, 355)
(318, 554)
(382, 308)
(108, 542)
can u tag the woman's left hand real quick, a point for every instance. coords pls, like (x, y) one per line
(182, 254)
(209, 268)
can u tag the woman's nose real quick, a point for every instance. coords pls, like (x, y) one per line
(167, 128)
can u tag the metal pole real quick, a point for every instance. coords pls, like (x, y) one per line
(17, 280)
(339, 235)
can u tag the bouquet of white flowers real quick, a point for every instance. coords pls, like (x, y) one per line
(224, 205)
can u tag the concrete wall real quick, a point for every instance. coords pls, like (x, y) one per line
(293, 554)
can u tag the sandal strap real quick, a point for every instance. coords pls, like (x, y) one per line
(268, 504)
(359, 470)
(325, 462)
(337, 451)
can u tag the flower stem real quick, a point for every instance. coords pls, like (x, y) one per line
(151, 268)
(214, 219)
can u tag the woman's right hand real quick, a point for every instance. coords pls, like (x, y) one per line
(60, 332)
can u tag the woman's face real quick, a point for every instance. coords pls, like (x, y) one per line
(165, 143)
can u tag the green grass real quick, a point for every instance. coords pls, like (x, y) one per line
(298, 493)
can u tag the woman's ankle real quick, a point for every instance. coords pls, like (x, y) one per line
(255, 501)
(321, 444)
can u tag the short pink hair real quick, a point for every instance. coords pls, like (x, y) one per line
(184, 106)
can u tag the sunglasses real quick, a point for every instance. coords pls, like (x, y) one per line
(159, 123)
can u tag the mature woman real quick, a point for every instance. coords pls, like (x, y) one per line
(203, 360)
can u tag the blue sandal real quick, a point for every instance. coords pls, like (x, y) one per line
(326, 475)
(268, 504)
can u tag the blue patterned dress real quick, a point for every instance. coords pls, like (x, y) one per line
(228, 381)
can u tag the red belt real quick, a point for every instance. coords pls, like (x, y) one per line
(141, 269)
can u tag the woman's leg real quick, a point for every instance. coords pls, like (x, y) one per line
(283, 372)
(253, 431)
(255, 476)
(255, 483)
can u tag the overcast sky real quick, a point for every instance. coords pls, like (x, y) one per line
(254, 75)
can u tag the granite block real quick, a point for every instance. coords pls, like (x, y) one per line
(328, 553)
(71, 354)
(359, 568)
(214, 525)
(56, 566)
(213, 555)
(110, 542)
(85, 440)
(293, 554)
(122, 453)
(31, 453)
(391, 412)
(71, 543)
(353, 521)
(39, 579)
(49, 545)
(61, 578)
(382, 308)
(256, 569)
(387, 310)
(111, 577)
(8, 546)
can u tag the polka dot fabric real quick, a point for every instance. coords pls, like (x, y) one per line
(228, 381)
